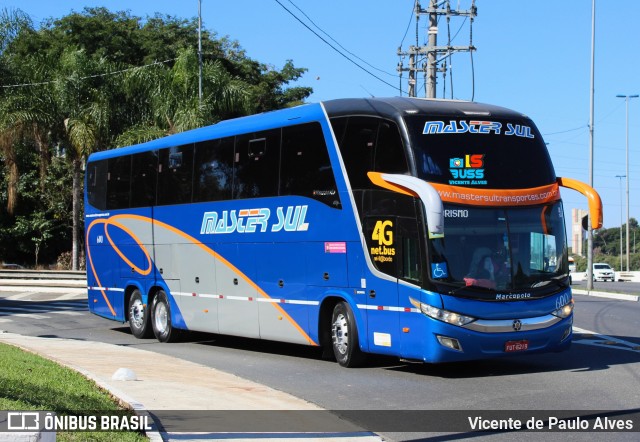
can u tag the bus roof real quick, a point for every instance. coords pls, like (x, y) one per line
(235, 126)
(392, 108)
(401, 106)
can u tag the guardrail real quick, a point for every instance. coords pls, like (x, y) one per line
(60, 279)
(620, 276)
(42, 274)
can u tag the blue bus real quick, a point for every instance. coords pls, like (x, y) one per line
(424, 229)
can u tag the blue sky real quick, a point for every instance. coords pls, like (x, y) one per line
(532, 56)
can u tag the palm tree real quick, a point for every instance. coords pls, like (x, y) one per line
(83, 89)
(171, 98)
(27, 115)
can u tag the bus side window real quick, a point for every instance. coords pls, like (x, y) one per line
(97, 173)
(393, 241)
(409, 243)
(175, 175)
(257, 165)
(213, 170)
(370, 144)
(144, 168)
(390, 156)
(381, 237)
(305, 168)
(119, 183)
(357, 148)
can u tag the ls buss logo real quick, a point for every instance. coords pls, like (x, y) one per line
(468, 170)
(289, 219)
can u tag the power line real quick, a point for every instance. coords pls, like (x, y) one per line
(42, 83)
(333, 47)
(584, 126)
(408, 26)
(337, 42)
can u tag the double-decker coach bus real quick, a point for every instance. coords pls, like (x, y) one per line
(425, 229)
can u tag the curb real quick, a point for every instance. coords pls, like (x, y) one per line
(138, 408)
(597, 294)
(229, 392)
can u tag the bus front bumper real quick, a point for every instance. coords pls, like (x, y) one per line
(489, 339)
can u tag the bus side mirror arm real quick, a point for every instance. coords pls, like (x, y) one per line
(595, 203)
(418, 188)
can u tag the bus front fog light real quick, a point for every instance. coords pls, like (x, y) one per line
(448, 342)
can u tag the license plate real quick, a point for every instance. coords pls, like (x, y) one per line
(511, 346)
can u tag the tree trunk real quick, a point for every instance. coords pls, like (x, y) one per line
(13, 175)
(75, 247)
(43, 154)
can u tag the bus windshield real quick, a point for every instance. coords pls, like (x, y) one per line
(506, 249)
(496, 154)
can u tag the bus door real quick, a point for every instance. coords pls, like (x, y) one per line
(394, 249)
(382, 291)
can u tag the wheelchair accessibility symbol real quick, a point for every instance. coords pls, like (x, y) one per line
(439, 270)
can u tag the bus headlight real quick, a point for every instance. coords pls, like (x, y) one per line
(442, 314)
(565, 311)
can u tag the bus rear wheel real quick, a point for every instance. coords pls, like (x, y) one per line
(344, 336)
(139, 316)
(161, 318)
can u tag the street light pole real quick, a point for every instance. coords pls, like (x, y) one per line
(591, 142)
(620, 180)
(626, 99)
(200, 52)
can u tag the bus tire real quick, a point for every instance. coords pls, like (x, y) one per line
(161, 318)
(139, 316)
(344, 337)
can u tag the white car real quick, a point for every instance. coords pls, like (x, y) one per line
(603, 271)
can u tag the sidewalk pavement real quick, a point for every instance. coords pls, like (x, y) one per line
(168, 383)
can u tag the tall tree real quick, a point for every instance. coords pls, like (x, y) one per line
(95, 79)
(173, 102)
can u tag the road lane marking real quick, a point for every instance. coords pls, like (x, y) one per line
(605, 341)
(69, 313)
(19, 296)
(30, 316)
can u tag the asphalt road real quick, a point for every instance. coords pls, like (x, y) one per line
(601, 371)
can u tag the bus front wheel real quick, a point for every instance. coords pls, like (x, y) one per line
(344, 336)
(161, 318)
(139, 316)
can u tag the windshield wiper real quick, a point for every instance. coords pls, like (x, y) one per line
(473, 287)
(556, 280)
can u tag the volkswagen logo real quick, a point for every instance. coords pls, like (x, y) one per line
(517, 325)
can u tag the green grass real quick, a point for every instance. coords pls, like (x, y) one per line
(30, 382)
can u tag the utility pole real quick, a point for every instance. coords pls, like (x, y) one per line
(432, 51)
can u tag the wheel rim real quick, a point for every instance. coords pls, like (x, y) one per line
(161, 317)
(136, 313)
(340, 333)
